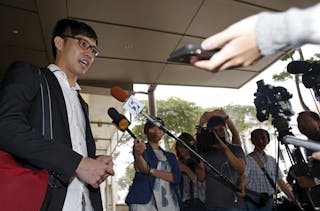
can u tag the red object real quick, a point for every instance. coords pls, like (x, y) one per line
(21, 189)
(118, 93)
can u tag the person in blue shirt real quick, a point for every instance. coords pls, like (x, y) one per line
(157, 174)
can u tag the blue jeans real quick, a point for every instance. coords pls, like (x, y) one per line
(251, 207)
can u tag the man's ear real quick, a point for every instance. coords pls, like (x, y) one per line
(58, 42)
(318, 124)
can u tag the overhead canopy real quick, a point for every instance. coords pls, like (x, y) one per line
(135, 37)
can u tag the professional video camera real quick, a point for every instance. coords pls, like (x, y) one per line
(275, 101)
(272, 100)
(310, 77)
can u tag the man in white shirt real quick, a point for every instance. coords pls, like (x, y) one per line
(75, 172)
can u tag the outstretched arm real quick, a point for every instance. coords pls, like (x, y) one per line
(263, 34)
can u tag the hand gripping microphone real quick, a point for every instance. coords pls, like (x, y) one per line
(120, 121)
(135, 107)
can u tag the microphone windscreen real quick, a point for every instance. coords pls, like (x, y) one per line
(118, 93)
(114, 114)
(298, 67)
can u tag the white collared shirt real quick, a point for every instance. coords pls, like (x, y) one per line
(77, 190)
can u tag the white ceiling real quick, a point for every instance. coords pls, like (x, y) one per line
(135, 36)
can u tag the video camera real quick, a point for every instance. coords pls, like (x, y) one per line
(205, 139)
(310, 77)
(272, 100)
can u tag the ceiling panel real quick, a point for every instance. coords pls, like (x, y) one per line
(185, 74)
(164, 15)
(216, 15)
(24, 4)
(121, 71)
(22, 30)
(132, 43)
(282, 5)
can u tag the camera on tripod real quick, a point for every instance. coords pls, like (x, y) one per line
(272, 100)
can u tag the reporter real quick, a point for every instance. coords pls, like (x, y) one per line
(192, 191)
(157, 174)
(264, 34)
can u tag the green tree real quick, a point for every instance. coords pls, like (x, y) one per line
(178, 115)
(284, 75)
(124, 181)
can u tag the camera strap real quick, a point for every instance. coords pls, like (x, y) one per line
(254, 155)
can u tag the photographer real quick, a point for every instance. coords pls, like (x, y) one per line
(227, 158)
(309, 125)
(192, 191)
(235, 138)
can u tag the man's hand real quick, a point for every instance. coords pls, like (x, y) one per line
(94, 172)
(306, 181)
(316, 155)
(139, 147)
(218, 143)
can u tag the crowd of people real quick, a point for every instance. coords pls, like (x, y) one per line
(188, 184)
(44, 128)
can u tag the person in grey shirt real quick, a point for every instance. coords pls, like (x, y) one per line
(259, 35)
(229, 160)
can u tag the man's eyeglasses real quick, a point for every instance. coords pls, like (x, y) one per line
(84, 44)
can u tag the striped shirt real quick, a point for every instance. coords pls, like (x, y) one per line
(256, 180)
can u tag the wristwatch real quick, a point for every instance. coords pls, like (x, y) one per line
(151, 171)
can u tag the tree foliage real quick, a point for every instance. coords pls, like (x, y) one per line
(284, 75)
(124, 181)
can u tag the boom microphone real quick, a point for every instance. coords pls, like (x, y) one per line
(120, 121)
(298, 67)
(309, 144)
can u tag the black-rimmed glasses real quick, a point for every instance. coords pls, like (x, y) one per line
(84, 44)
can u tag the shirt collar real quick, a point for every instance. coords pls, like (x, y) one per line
(54, 68)
(263, 154)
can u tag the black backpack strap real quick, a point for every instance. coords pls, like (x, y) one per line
(47, 121)
(46, 107)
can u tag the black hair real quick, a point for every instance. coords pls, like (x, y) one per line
(71, 27)
(312, 114)
(188, 139)
(215, 121)
(150, 124)
(254, 132)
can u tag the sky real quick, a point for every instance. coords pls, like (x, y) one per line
(219, 97)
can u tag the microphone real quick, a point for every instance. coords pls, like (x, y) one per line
(132, 105)
(298, 67)
(118, 93)
(309, 144)
(120, 121)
